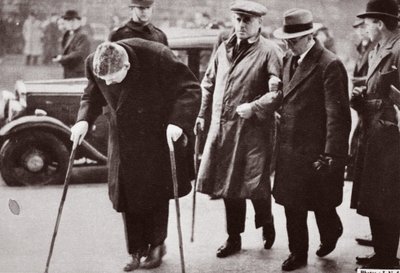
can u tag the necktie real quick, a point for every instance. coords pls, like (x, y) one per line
(293, 65)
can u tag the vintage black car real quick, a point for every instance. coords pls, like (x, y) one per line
(36, 119)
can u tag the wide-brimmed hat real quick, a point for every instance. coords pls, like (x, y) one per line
(381, 9)
(296, 23)
(248, 8)
(141, 3)
(70, 15)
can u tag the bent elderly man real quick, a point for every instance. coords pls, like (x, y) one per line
(313, 140)
(149, 94)
(237, 153)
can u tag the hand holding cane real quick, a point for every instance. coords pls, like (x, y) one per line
(175, 185)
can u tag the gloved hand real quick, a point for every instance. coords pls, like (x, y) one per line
(274, 84)
(244, 110)
(78, 133)
(323, 164)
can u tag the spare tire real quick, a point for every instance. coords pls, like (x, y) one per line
(33, 158)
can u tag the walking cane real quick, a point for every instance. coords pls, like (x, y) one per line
(178, 212)
(196, 166)
(66, 182)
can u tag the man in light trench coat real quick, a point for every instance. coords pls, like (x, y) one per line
(313, 138)
(149, 94)
(237, 153)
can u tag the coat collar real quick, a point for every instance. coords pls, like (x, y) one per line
(304, 69)
(231, 43)
(132, 79)
(70, 40)
(382, 53)
(149, 28)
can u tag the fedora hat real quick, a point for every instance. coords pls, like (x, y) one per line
(70, 15)
(249, 8)
(381, 9)
(296, 23)
(141, 3)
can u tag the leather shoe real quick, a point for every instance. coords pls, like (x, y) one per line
(365, 241)
(326, 248)
(294, 262)
(230, 247)
(154, 258)
(268, 235)
(133, 264)
(364, 260)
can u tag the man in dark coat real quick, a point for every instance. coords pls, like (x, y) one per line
(140, 26)
(237, 154)
(376, 187)
(148, 92)
(313, 140)
(75, 46)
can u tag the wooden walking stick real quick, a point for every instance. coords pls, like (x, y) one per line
(176, 197)
(66, 183)
(196, 166)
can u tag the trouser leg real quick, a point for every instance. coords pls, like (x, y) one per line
(263, 213)
(329, 225)
(296, 225)
(385, 237)
(235, 216)
(156, 225)
(134, 232)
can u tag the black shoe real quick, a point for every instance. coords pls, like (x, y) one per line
(294, 262)
(268, 235)
(365, 241)
(326, 248)
(154, 258)
(133, 264)
(230, 247)
(364, 260)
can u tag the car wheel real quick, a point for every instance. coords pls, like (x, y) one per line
(33, 158)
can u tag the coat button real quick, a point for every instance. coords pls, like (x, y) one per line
(141, 132)
(140, 110)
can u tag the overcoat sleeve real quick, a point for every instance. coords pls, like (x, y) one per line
(80, 52)
(208, 85)
(338, 119)
(183, 91)
(92, 99)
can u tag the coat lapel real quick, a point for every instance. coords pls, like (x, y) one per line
(304, 69)
(382, 53)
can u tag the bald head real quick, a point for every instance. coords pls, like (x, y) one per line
(109, 58)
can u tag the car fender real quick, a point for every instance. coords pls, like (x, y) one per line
(50, 124)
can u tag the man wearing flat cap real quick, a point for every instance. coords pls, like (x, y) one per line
(150, 95)
(75, 46)
(236, 159)
(376, 186)
(140, 26)
(313, 138)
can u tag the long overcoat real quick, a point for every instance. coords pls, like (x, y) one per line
(376, 186)
(236, 157)
(158, 90)
(315, 120)
(33, 34)
(74, 52)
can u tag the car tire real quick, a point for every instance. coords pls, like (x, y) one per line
(33, 158)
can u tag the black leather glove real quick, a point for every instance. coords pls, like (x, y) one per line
(327, 164)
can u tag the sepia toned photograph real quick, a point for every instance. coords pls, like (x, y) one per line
(199, 136)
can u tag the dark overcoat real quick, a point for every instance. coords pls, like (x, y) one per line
(237, 152)
(158, 90)
(75, 50)
(134, 30)
(315, 120)
(376, 187)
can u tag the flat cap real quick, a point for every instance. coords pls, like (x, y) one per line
(249, 8)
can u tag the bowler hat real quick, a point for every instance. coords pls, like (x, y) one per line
(248, 8)
(70, 15)
(141, 3)
(381, 9)
(296, 23)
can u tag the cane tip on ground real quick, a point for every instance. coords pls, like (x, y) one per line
(14, 207)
